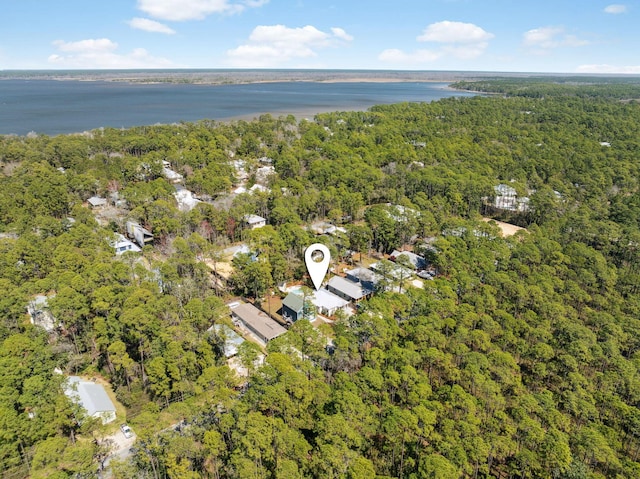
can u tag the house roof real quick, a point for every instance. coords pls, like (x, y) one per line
(231, 339)
(91, 396)
(97, 201)
(253, 219)
(258, 320)
(349, 288)
(418, 261)
(294, 302)
(122, 242)
(326, 299)
(363, 274)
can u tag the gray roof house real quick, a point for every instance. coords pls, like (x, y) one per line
(92, 398)
(347, 289)
(257, 322)
(367, 278)
(140, 234)
(97, 201)
(416, 260)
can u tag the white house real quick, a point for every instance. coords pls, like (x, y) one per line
(122, 245)
(506, 198)
(255, 221)
(92, 397)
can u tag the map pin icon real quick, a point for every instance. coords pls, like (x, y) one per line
(317, 267)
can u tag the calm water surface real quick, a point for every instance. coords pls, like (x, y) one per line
(53, 107)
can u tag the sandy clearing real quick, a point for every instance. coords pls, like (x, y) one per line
(507, 228)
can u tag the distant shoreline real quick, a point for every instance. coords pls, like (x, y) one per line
(226, 77)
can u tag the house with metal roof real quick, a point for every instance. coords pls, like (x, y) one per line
(92, 397)
(122, 245)
(417, 261)
(347, 289)
(328, 303)
(256, 322)
(293, 307)
(97, 201)
(366, 277)
(255, 221)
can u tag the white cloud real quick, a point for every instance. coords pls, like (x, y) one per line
(181, 10)
(546, 38)
(102, 53)
(615, 9)
(604, 68)
(454, 32)
(340, 33)
(273, 45)
(150, 26)
(91, 45)
(463, 41)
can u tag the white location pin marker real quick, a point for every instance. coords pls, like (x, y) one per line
(317, 266)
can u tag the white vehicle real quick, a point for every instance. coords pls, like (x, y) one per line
(126, 430)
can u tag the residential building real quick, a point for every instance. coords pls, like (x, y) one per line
(367, 278)
(328, 303)
(347, 289)
(97, 202)
(506, 198)
(293, 307)
(39, 314)
(416, 260)
(122, 245)
(141, 235)
(232, 340)
(92, 397)
(256, 322)
(255, 221)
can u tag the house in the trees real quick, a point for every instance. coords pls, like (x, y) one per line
(328, 303)
(506, 198)
(367, 278)
(141, 235)
(256, 322)
(39, 314)
(121, 245)
(171, 175)
(97, 202)
(348, 290)
(417, 261)
(293, 307)
(255, 221)
(92, 398)
(231, 339)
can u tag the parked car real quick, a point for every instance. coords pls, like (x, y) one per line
(126, 430)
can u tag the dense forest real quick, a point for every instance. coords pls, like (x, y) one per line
(520, 360)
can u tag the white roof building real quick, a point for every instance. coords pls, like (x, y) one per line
(122, 245)
(96, 201)
(327, 302)
(92, 398)
(255, 221)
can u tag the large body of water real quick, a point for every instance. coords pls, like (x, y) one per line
(55, 107)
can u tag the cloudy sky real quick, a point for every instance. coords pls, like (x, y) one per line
(479, 35)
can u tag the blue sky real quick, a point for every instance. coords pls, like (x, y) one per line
(578, 36)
